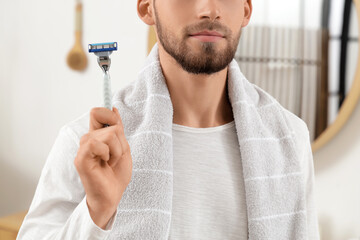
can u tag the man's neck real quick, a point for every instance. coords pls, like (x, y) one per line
(199, 101)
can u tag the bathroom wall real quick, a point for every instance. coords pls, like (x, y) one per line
(39, 94)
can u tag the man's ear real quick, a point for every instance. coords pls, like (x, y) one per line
(247, 12)
(145, 11)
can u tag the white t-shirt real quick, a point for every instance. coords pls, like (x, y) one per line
(209, 196)
(208, 190)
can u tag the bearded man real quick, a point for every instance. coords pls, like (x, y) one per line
(192, 150)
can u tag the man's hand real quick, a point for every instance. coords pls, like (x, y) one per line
(104, 164)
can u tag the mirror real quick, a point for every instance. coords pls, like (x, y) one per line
(306, 58)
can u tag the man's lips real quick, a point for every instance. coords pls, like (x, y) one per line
(208, 33)
(207, 36)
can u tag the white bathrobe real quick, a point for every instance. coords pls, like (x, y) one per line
(275, 152)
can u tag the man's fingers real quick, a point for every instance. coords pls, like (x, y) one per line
(111, 136)
(100, 116)
(118, 117)
(93, 149)
(112, 140)
(100, 149)
(117, 129)
(106, 147)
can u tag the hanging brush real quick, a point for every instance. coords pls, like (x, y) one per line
(76, 58)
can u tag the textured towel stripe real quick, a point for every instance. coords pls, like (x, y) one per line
(274, 176)
(160, 95)
(168, 98)
(268, 138)
(146, 100)
(152, 170)
(253, 105)
(144, 210)
(151, 132)
(151, 95)
(278, 215)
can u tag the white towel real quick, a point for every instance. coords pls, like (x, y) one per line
(275, 150)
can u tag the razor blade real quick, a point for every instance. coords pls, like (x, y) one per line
(103, 47)
(103, 51)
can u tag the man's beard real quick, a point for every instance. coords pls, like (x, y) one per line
(210, 60)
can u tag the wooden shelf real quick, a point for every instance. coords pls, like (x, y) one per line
(10, 225)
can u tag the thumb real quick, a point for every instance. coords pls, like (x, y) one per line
(119, 121)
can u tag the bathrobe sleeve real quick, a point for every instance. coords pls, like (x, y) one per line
(312, 217)
(59, 209)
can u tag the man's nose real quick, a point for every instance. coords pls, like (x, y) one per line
(208, 9)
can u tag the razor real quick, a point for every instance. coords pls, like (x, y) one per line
(103, 52)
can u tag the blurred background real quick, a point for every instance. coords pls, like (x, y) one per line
(39, 92)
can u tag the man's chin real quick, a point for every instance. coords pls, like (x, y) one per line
(200, 65)
(205, 48)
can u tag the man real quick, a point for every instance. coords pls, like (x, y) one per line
(135, 180)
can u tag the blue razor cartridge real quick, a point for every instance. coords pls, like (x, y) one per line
(103, 47)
